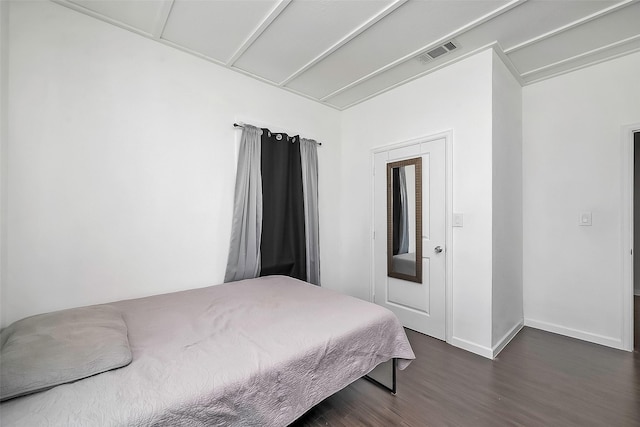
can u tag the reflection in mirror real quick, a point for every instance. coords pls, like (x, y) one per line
(404, 219)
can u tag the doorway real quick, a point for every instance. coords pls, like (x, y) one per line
(419, 305)
(630, 216)
(636, 240)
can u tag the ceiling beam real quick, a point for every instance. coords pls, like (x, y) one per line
(161, 19)
(271, 16)
(633, 41)
(463, 29)
(570, 25)
(346, 39)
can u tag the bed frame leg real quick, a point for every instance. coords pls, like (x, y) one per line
(384, 375)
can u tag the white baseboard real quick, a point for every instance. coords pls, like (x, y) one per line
(502, 343)
(575, 333)
(472, 347)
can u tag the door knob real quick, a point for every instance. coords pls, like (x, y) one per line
(438, 249)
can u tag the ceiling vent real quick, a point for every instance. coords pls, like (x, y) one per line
(437, 52)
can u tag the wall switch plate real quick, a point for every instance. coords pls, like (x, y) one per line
(585, 218)
(457, 220)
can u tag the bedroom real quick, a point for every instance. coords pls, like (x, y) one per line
(149, 128)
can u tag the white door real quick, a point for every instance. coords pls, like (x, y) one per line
(419, 306)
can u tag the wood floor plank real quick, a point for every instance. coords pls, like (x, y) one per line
(539, 379)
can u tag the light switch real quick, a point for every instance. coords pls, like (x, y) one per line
(585, 218)
(457, 220)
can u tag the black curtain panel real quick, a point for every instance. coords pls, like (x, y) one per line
(283, 249)
(397, 209)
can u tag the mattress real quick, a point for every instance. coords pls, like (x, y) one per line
(405, 263)
(258, 352)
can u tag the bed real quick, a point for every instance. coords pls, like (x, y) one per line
(258, 352)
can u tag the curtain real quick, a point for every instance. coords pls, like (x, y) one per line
(395, 209)
(399, 212)
(246, 228)
(283, 246)
(275, 220)
(404, 213)
(309, 159)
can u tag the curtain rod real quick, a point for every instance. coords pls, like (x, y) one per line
(241, 125)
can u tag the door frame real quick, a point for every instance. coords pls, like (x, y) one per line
(627, 214)
(448, 274)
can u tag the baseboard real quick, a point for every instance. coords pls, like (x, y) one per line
(472, 347)
(575, 333)
(502, 343)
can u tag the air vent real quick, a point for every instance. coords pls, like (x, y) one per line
(437, 52)
(450, 46)
(424, 58)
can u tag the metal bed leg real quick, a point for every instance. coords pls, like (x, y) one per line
(384, 375)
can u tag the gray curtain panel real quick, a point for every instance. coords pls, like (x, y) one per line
(309, 159)
(246, 229)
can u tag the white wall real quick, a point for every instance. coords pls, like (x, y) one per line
(122, 162)
(121, 165)
(4, 51)
(507, 204)
(571, 163)
(458, 98)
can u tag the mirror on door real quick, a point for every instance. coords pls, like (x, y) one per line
(404, 219)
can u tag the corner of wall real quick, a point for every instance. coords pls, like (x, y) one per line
(502, 342)
(507, 232)
(472, 347)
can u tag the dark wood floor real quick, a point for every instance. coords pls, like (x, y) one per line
(539, 379)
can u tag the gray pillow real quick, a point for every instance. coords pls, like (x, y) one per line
(47, 350)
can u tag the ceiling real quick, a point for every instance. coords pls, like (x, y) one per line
(342, 52)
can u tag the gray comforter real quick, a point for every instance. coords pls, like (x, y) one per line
(258, 352)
